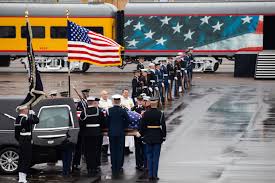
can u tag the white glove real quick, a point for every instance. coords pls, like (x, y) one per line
(31, 112)
(176, 78)
(169, 81)
(156, 88)
(162, 84)
(185, 71)
(150, 89)
(138, 134)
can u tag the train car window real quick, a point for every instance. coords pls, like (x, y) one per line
(37, 32)
(99, 30)
(58, 32)
(7, 32)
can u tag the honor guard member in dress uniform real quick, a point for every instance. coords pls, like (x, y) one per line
(82, 104)
(144, 82)
(153, 133)
(139, 108)
(92, 121)
(178, 77)
(140, 63)
(152, 79)
(159, 76)
(164, 72)
(190, 65)
(136, 85)
(23, 134)
(171, 75)
(117, 121)
(183, 64)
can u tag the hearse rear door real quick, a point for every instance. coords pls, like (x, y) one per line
(56, 126)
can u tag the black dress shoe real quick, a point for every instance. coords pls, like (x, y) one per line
(140, 168)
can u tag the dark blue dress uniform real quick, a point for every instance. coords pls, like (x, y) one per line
(139, 150)
(23, 134)
(140, 66)
(159, 76)
(178, 78)
(189, 65)
(171, 76)
(164, 72)
(81, 105)
(153, 132)
(117, 122)
(136, 87)
(92, 121)
(144, 85)
(184, 64)
(152, 81)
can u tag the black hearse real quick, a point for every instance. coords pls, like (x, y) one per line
(58, 125)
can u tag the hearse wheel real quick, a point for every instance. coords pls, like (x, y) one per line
(9, 158)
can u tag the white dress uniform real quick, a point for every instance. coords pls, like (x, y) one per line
(128, 103)
(105, 104)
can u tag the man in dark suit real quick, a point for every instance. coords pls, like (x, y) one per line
(117, 121)
(153, 133)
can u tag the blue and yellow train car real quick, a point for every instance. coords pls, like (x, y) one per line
(49, 26)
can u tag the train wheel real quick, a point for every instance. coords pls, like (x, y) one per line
(4, 61)
(216, 66)
(85, 67)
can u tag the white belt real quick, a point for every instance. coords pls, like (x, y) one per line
(145, 87)
(165, 75)
(152, 81)
(25, 133)
(182, 69)
(178, 70)
(92, 125)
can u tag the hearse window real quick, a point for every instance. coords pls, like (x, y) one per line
(54, 117)
(37, 32)
(96, 29)
(58, 32)
(7, 32)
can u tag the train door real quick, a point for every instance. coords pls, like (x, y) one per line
(269, 29)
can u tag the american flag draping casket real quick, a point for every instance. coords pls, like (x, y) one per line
(134, 119)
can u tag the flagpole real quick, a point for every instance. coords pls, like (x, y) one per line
(69, 70)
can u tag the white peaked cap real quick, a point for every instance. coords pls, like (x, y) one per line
(116, 97)
(91, 98)
(146, 98)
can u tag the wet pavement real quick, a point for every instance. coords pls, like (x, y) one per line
(223, 130)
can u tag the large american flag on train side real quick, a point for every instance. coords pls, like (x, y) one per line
(204, 33)
(90, 47)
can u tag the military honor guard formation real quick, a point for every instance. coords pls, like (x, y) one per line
(114, 126)
(107, 127)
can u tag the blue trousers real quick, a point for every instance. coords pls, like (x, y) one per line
(117, 152)
(67, 155)
(153, 153)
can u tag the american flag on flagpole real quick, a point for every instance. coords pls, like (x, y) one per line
(90, 47)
